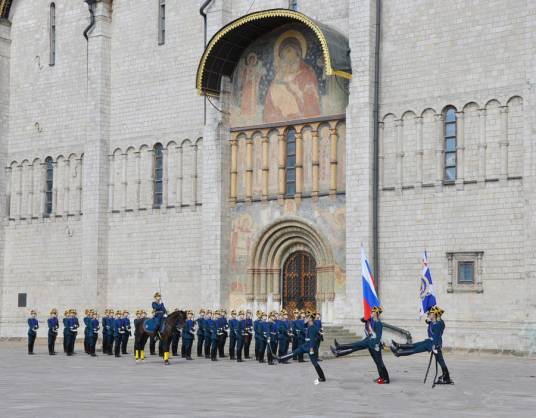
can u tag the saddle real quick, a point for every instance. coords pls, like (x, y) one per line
(150, 326)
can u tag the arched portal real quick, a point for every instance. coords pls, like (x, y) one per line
(299, 282)
(274, 250)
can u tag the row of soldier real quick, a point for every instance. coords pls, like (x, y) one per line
(274, 333)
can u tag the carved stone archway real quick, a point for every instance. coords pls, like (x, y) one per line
(272, 248)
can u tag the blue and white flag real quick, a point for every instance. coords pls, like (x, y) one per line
(427, 294)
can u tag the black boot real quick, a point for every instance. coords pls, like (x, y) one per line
(401, 346)
(401, 353)
(444, 379)
(341, 353)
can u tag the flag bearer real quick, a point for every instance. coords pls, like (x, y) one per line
(432, 344)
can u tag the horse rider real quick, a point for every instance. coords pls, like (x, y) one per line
(159, 314)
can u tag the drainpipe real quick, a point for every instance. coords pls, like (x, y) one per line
(91, 7)
(203, 13)
(375, 149)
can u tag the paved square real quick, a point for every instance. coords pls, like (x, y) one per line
(80, 386)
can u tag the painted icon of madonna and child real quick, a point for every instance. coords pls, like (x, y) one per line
(281, 79)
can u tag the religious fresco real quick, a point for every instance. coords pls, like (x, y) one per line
(280, 77)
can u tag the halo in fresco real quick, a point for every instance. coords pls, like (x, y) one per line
(281, 77)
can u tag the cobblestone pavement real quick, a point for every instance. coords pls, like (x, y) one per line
(81, 386)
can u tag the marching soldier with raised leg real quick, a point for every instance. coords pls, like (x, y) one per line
(433, 344)
(311, 340)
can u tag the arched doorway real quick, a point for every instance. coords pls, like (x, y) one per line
(299, 282)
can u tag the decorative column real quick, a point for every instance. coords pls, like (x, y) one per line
(399, 153)
(381, 155)
(194, 176)
(503, 143)
(9, 197)
(55, 184)
(19, 191)
(166, 163)
(234, 168)
(420, 151)
(111, 186)
(66, 186)
(80, 173)
(265, 164)
(299, 163)
(179, 175)
(315, 159)
(460, 148)
(482, 146)
(149, 197)
(42, 191)
(249, 166)
(30, 206)
(333, 158)
(165, 179)
(439, 149)
(124, 181)
(138, 179)
(281, 164)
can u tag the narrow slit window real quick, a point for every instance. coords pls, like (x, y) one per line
(161, 22)
(290, 167)
(52, 34)
(158, 175)
(49, 185)
(450, 135)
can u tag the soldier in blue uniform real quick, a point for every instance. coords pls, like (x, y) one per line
(372, 342)
(264, 338)
(53, 326)
(240, 333)
(93, 333)
(272, 339)
(33, 326)
(118, 333)
(127, 334)
(223, 333)
(188, 334)
(209, 323)
(433, 344)
(175, 337)
(312, 334)
(258, 333)
(249, 333)
(299, 330)
(284, 333)
(104, 321)
(110, 332)
(86, 320)
(318, 323)
(159, 312)
(200, 332)
(73, 331)
(232, 336)
(216, 331)
(65, 322)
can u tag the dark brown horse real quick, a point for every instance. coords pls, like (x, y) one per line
(177, 318)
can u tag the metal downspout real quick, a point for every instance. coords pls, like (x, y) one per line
(204, 14)
(375, 163)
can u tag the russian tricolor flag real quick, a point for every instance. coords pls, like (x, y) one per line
(370, 298)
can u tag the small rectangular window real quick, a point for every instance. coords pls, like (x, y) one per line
(52, 34)
(22, 300)
(466, 272)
